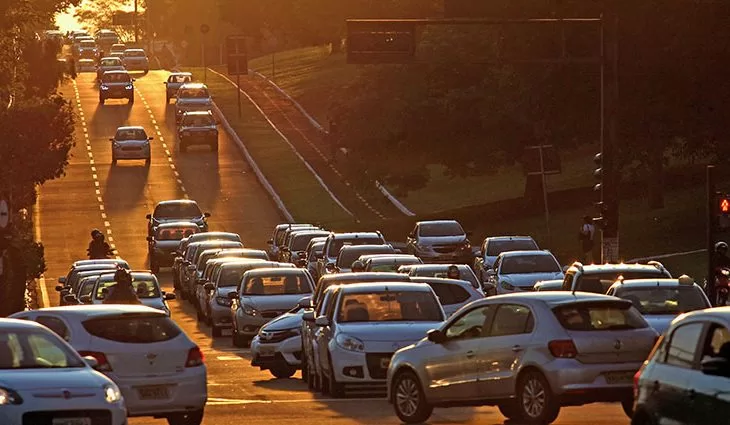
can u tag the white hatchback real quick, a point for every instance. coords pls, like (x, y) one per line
(45, 381)
(159, 370)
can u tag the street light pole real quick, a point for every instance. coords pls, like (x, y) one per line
(134, 22)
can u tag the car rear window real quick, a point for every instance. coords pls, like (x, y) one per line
(134, 329)
(665, 300)
(200, 93)
(175, 210)
(175, 233)
(390, 306)
(449, 293)
(277, 285)
(522, 264)
(440, 229)
(494, 248)
(348, 256)
(144, 288)
(599, 316)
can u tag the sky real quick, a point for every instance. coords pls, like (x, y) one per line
(67, 22)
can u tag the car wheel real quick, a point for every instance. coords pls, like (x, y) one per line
(535, 400)
(217, 331)
(336, 389)
(324, 383)
(509, 409)
(642, 418)
(238, 340)
(131, 99)
(283, 371)
(194, 417)
(628, 406)
(409, 401)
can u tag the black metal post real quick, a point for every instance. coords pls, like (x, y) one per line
(238, 89)
(710, 288)
(134, 22)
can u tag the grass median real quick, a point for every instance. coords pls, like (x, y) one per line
(302, 194)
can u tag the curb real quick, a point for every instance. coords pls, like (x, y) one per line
(398, 204)
(259, 175)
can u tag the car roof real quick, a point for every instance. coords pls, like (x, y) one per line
(556, 298)
(101, 310)
(310, 231)
(215, 243)
(508, 238)
(355, 235)
(81, 263)
(134, 50)
(243, 250)
(114, 71)
(524, 253)
(438, 222)
(130, 127)
(95, 266)
(11, 324)
(652, 283)
(181, 223)
(111, 57)
(193, 85)
(175, 201)
(363, 275)
(391, 257)
(367, 247)
(431, 266)
(288, 225)
(425, 279)
(183, 74)
(208, 235)
(602, 268)
(722, 313)
(194, 113)
(366, 287)
(282, 269)
(134, 273)
(238, 260)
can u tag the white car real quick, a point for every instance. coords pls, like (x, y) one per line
(452, 293)
(136, 59)
(278, 345)
(518, 271)
(370, 322)
(45, 381)
(159, 370)
(145, 285)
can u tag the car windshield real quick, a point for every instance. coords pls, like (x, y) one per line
(494, 248)
(87, 43)
(198, 93)
(178, 210)
(390, 265)
(198, 120)
(111, 62)
(522, 264)
(440, 229)
(86, 286)
(599, 316)
(664, 300)
(179, 79)
(35, 350)
(134, 54)
(204, 257)
(116, 77)
(389, 306)
(348, 256)
(300, 242)
(144, 288)
(465, 273)
(232, 275)
(130, 134)
(316, 250)
(175, 233)
(283, 284)
(337, 244)
(134, 330)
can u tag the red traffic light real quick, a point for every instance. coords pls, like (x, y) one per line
(725, 205)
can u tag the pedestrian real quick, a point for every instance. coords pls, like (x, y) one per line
(72, 67)
(586, 237)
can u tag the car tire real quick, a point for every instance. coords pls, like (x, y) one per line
(194, 417)
(147, 162)
(535, 400)
(509, 410)
(217, 331)
(628, 406)
(283, 371)
(409, 401)
(238, 339)
(101, 100)
(131, 99)
(336, 389)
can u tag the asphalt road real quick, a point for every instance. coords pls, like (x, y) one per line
(116, 200)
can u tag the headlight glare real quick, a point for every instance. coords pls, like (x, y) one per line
(223, 301)
(8, 396)
(112, 393)
(249, 310)
(350, 343)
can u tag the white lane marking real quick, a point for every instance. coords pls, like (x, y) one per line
(94, 175)
(214, 401)
(229, 358)
(44, 301)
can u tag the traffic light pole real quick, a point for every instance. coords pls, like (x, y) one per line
(711, 215)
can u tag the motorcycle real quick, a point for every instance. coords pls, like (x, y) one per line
(722, 285)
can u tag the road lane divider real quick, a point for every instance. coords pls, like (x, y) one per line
(43, 299)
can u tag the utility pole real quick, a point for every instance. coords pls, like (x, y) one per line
(134, 22)
(711, 225)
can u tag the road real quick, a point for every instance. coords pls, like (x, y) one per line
(116, 200)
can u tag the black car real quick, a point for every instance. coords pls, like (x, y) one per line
(116, 85)
(686, 379)
(176, 210)
(198, 128)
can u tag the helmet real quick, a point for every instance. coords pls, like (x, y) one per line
(95, 232)
(122, 275)
(358, 266)
(720, 246)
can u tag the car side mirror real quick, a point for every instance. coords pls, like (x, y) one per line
(60, 288)
(209, 286)
(169, 296)
(207, 214)
(150, 138)
(111, 139)
(322, 321)
(149, 216)
(233, 295)
(92, 362)
(70, 299)
(305, 302)
(62, 279)
(270, 242)
(149, 239)
(308, 316)
(436, 336)
(85, 299)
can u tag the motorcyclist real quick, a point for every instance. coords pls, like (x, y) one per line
(452, 272)
(98, 248)
(358, 266)
(122, 292)
(721, 260)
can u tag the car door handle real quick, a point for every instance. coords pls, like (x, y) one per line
(470, 354)
(517, 348)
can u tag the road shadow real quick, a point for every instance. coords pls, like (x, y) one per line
(287, 384)
(112, 114)
(128, 177)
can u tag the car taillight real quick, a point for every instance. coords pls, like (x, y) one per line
(195, 357)
(102, 363)
(637, 375)
(563, 349)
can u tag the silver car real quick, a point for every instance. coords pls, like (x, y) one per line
(278, 345)
(389, 262)
(277, 237)
(145, 285)
(192, 97)
(495, 245)
(517, 271)
(136, 59)
(131, 142)
(108, 64)
(174, 82)
(528, 353)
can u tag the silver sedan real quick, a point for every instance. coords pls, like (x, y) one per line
(131, 143)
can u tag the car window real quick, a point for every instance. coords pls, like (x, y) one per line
(175, 233)
(494, 248)
(449, 293)
(664, 300)
(683, 345)
(284, 284)
(116, 77)
(110, 62)
(231, 275)
(134, 53)
(144, 288)
(440, 229)
(198, 120)
(717, 342)
(179, 78)
(197, 93)
(512, 319)
(177, 210)
(471, 324)
(204, 257)
(87, 286)
(55, 324)
(130, 134)
(135, 330)
(388, 306)
(329, 309)
(35, 350)
(522, 264)
(599, 316)
(337, 244)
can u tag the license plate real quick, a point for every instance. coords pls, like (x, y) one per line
(619, 377)
(267, 351)
(156, 392)
(71, 421)
(384, 362)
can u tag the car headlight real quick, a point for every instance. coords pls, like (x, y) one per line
(223, 301)
(8, 396)
(128, 87)
(112, 393)
(104, 87)
(115, 144)
(249, 310)
(350, 343)
(466, 245)
(506, 285)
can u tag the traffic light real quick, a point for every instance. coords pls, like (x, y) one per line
(723, 211)
(380, 41)
(598, 175)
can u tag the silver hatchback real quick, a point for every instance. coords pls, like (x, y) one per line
(529, 354)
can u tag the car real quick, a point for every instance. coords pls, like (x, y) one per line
(162, 246)
(116, 85)
(389, 262)
(319, 303)
(335, 241)
(87, 49)
(365, 325)
(278, 345)
(277, 237)
(158, 368)
(72, 296)
(599, 277)
(295, 248)
(495, 245)
(192, 97)
(115, 261)
(440, 241)
(452, 293)
(197, 128)
(531, 353)
(188, 279)
(68, 284)
(549, 285)
(119, 55)
(254, 254)
(85, 65)
(351, 253)
(106, 39)
(145, 285)
(179, 264)
(85, 288)
(661, 300)
(686, 378)
(131, 142)
(312, 254)
(136, 60)
(176, 210)
(117, 48)
(264, 294)
(174, 81)
(108, 63)
(440, 270)
(517, 271)
(44, 380)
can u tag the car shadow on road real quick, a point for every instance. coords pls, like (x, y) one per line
(127, 177)
(287, 384)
